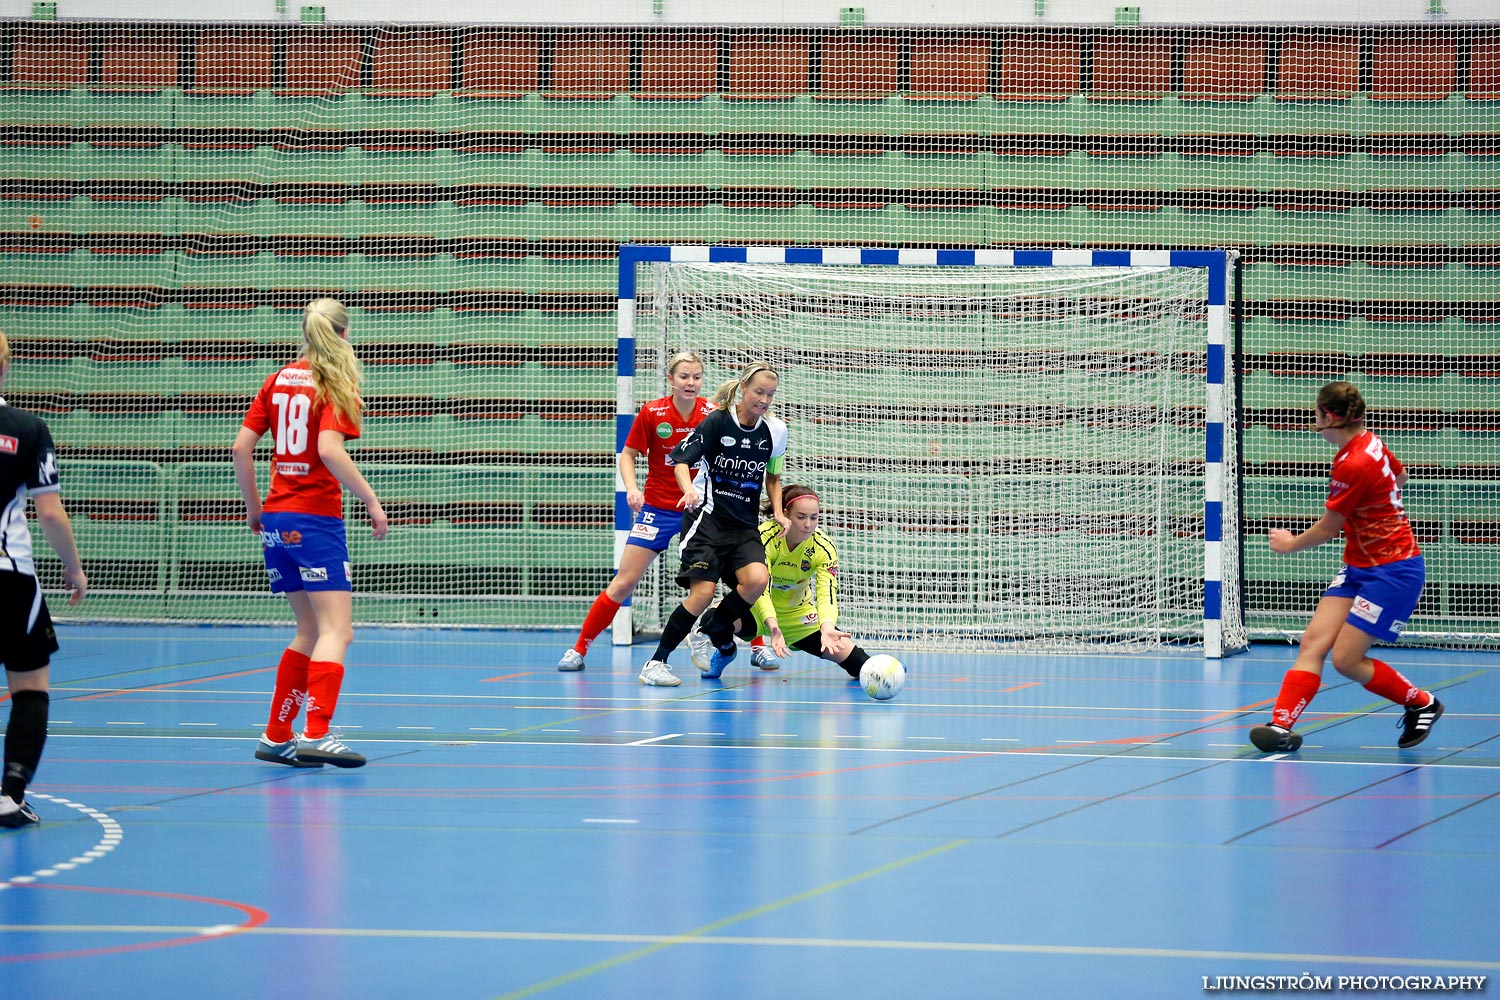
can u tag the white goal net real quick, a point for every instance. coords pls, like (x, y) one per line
(1006, 455)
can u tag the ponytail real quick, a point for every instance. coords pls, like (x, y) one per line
(724, 398)
(336, 371)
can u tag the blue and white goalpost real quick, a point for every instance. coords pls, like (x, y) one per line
(1003, 438)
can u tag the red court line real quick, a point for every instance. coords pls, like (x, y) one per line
(1021, 687)
(255, 917)
(173, 684)
(524, 673)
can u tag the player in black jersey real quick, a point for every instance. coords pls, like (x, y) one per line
(28, 466)
(741, 447)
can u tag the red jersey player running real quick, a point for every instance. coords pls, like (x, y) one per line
(310, 406)
(659, 427)
(1374, 594)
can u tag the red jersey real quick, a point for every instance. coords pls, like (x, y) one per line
(1363, 489)
(659, 428)
(287, 405)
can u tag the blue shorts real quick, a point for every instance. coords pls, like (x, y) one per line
(1384, 596)
(654, 528)
(306, 552)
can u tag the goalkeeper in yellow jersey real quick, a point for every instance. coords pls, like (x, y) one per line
(800, 608)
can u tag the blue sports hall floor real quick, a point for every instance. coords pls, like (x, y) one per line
(1029, 826)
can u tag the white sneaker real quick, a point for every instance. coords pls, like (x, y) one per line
(700, 647)
(571, 660)
(656, 673)
(761, 656)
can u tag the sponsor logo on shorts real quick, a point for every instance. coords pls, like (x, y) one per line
(274, 575)
(646, 531)
(1338, 579)
(314, 574)
(700, 565)
(293, 468)
(1397, 627)
(8, 444)
(349, 572)
(1365, 610)
(286, 539)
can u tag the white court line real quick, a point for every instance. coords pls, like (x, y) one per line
(197, 723)
(824, 747)
(723, 940)
(621, 821)
(108, 841)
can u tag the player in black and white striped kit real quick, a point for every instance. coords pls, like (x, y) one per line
(28, 467)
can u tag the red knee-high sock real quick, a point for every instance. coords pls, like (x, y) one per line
(290, 693)
(599, 618)
(324, 679)
(1297, 690)
(1391, 685)
(758, 641)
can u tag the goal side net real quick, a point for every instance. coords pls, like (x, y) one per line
(1033, 449)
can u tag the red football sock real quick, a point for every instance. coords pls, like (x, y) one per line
(323, 682)
(1391, 685)
(599, 618)
(758, 642)
(290, 693)
(1297, 690)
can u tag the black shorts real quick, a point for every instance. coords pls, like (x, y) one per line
(27, 640)
(713, 552)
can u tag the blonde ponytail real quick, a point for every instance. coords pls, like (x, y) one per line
(336, 372)
(725, 396)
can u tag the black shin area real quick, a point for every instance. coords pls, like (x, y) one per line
(854, 661)
(24, 737)
(678, 625)
(720, 627)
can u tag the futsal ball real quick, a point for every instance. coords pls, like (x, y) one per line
(882, 677)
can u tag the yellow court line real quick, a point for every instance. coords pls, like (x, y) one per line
(971, 947)
(698, 933)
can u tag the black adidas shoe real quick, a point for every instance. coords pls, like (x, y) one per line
(1416, 723)
(1274, 739)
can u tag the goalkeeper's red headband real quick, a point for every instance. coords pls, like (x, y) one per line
(803, 496)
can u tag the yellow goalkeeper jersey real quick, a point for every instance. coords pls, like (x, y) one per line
(804, 587)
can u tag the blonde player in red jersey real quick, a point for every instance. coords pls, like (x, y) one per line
(1373, 596)
(659, 427)
(311, 407)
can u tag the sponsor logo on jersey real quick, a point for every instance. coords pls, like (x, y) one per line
(664, 430)
(314, 574)
(293, 468)
(8, 444)
(46, 469)
(295, 376)
(811, 618)
(727, 440)
(1365, 610)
